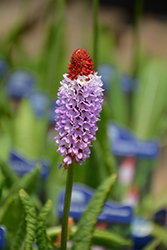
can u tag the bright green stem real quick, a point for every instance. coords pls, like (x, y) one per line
(67, 202)
(95, 32)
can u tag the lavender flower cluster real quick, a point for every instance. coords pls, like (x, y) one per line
(79, 106)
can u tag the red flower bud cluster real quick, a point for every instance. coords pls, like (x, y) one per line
(81, 64)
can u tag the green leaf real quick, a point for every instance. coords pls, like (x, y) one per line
(42, 240)
(82, 238)
(150, 100)
(29, 133)
(8, 173)
(53, 231)
(145, 207)
(54, 54)
(53, 186)
(5, 208)
(30, 219)
(95, 167)
(160, 202)
(153, 245)
(10, 216)
(160, 234)
(102, 136)
(107, 42)
(110, 239)
(117, 101)
(150, 204)
(5, 141)
(20, 235)
(28, 182)
(143, 181)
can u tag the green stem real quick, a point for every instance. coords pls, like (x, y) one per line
(95, 32)
(137, 17)
(66, 210)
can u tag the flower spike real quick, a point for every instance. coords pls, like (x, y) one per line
(79, 106)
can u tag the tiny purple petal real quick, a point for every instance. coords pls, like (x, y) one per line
(68, 160)
(60, 165)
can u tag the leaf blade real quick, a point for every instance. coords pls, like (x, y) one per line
(84, 234)
(30, 219)
(150, 100)
(41, 236)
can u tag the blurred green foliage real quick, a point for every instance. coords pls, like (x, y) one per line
(143, 111)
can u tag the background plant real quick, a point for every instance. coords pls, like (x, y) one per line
(148, 101)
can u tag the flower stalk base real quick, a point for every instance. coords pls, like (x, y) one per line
(67, 202)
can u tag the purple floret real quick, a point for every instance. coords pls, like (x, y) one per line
(79, 106)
